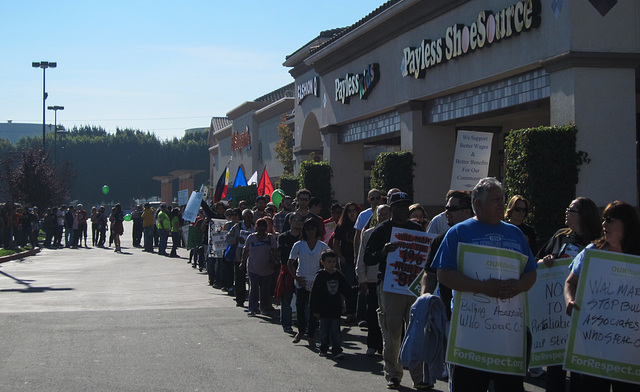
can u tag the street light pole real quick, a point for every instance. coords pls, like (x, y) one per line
(44, 65)
(55, 131)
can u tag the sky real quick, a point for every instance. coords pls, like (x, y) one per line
(158, 66)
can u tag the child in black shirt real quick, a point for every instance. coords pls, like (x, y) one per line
(326, 304)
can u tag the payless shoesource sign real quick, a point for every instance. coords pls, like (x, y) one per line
(460, 39)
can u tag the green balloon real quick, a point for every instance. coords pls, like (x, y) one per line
(277, 196)
(127, 217)
(105, 189)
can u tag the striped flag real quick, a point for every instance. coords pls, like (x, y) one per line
(221, 186)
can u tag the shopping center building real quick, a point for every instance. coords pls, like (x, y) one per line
(413, 73)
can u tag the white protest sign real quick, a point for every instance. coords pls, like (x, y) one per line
(183, 197)
(605, 332)
(406, 262)
(488, 333)
(547, 320)
(193, 206)
(471, 161)
(217, 245)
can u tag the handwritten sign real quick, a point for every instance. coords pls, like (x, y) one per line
(488, 333)
(183, 197)
(605, 332)
(216, 238)
(471, 160)
(406, 262)
(193, 206)
(547, 320)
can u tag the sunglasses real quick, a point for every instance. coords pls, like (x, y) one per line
(454, 208)
(570, 210)
(520, 209)
(607, 219)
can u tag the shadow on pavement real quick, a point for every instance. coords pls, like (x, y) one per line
(28, 287)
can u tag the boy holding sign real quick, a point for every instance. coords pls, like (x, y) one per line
(482, 298)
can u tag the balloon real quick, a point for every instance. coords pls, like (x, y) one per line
(277, 196)
(105, 189)
(127, 217)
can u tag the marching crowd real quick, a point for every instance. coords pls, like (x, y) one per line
(332, 270)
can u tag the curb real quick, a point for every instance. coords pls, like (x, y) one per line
(20, 255)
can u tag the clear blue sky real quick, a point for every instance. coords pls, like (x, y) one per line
(159, 66)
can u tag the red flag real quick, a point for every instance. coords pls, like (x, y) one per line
(265, 187)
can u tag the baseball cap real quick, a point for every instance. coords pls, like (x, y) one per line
(399, 197)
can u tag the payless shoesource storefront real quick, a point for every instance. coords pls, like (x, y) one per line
(412, 74)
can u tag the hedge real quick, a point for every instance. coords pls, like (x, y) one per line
(542, 165)
(393, 170)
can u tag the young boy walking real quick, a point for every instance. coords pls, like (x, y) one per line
(326, 304)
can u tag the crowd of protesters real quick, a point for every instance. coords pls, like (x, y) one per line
(330, 271)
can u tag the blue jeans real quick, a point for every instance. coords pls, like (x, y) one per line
(148, 238)
(162, 244)
(330, 334)
(259, 291)
(286, 312)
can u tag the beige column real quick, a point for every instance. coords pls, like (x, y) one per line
(433, 148)
(347, 162)
(602, 104)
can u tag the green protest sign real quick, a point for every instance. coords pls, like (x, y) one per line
(546, 317)
(488, 333)
(604, 340)
(247, 193)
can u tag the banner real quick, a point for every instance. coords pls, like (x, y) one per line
(471, 161)
(546, 316)
(193, 206)
(605, 333)
(488, 333)
(216, 238)
(406, 262)
(246, 193)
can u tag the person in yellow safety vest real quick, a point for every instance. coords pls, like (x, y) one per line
(175, 231)
(164, 227)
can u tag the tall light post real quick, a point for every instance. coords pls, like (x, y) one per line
(55, 131)
(44, 65)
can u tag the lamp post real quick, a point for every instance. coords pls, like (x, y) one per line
(55, 131)
(44, 65)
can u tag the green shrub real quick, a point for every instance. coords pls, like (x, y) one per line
(289, 184)
(542, 165)
(316, 177)
(393, 170)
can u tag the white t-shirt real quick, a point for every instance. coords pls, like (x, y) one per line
(308, 260)
(438, 224)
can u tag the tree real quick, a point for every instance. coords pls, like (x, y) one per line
(32, 180)
(284, 147)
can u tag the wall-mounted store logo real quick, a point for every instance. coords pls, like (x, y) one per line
(240, 140)
(460, 39)
(310, 87)
(358, 84)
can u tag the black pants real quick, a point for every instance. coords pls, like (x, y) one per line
(464, 379)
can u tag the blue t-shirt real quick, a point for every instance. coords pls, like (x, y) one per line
(503, 235)
(578, 261)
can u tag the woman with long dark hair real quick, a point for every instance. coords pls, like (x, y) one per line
(582, 220)
(343, 247)
(117, 226)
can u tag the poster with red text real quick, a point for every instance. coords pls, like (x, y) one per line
(406, 262)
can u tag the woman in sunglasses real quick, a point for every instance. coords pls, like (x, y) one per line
(582, 219)
(621, 233)
(517, 211)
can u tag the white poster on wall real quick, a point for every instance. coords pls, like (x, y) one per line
(471, 161)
